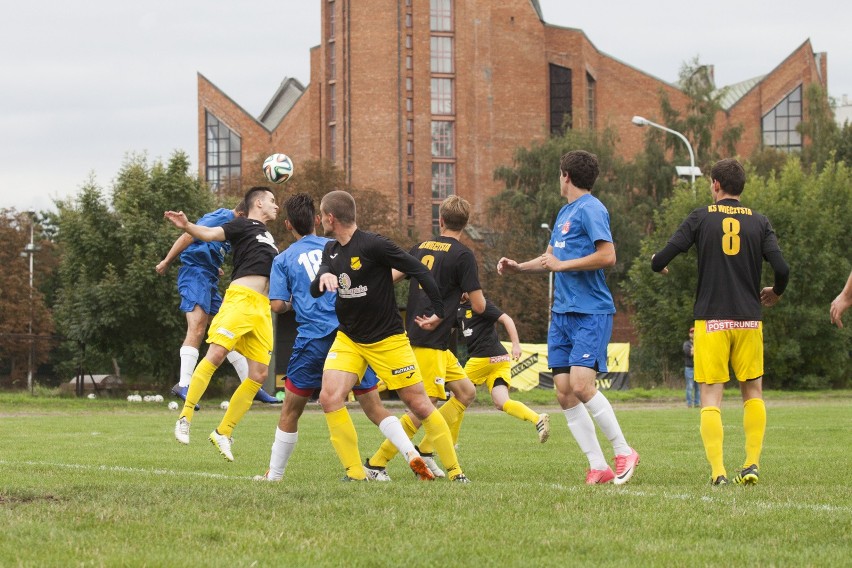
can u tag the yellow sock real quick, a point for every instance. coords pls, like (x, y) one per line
(197, 385)
(240, 403)
(754, 425)
(387, 450)
(438, 431)
(520, 411)
(453, 413)
(344, 438)
(713, 435)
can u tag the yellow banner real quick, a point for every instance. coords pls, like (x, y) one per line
(534, 361)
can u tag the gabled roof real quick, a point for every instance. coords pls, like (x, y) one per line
(733, 93)
(281, 102)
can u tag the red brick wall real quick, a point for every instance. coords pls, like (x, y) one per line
(502, 52)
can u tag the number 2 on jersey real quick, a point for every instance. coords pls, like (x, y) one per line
(730, 236)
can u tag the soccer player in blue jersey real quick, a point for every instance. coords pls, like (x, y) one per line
(198, 286)
(289, 289)
(732, 243)
(581, 321)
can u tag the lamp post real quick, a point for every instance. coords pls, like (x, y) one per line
(546, 227)
(30, 251)
(640, 121)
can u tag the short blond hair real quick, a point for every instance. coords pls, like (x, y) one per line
(455, 211)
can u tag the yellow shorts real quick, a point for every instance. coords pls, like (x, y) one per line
(720, 343)
(438, 367)
(244, 323)
(489, 369)
(391, 358)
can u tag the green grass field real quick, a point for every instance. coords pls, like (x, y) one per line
(103, 483)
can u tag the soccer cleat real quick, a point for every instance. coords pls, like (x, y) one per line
(180, 392)
(543, 427)
(748, 476)
(223, 444)
(721, 480)
(460, 478)
(265, 397)
(374, 473)
(182, 430)
(346, 478)
(625, 465)
(599, 476)
(265, 477)
(419, 467)
(430, 462)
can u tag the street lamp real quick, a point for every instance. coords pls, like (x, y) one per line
(693, 171)
(546, 227)
(30, 250)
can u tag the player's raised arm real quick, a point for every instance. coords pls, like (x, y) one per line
(207, 234)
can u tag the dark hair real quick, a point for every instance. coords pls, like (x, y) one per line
(253, 194)
(455, 211)
(730, 175)
(341, 205)
(301, 213)
(241, 208)
(581, 167)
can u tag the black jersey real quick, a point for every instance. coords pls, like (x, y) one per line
(454, 268)
(479, 332)
(253, 246)
(366, 305)
(732, 242)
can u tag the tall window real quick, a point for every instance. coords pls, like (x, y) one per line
(442, 54)
(332, 102)
(442, 96)
(441, 15)
(332, 63)
(779, 124)
(590, 99)
(442, 139)
(332, 143)
(331, 20)
(223, 154)
(443, 180)
(560, 99)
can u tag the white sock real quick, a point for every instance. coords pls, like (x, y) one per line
(240, 364)
(283, 446)
(393, 431)
(188, 361)
(603, 414)
(583, 430)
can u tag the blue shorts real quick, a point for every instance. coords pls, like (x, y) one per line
(579, 340)
(304, 370)
(198, 288)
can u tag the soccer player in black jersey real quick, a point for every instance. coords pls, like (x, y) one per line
(454, 268)
(489, 362)
(732, 242)
(244, 321)
(359, 265)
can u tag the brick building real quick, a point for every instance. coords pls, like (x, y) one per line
(424, 99)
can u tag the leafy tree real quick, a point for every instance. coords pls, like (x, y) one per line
(15, 301)
(111, 302)
(809, 212)
(819, 128)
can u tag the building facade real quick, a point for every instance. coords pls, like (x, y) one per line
(421, 100)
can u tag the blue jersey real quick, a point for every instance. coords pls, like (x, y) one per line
(292, 273)
(578, 226)
(204, 255)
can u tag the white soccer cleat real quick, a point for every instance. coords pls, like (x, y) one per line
(182, 430)
(375, 473)
(543, 427)
(430, 462)
(265, 477)
(223, 444)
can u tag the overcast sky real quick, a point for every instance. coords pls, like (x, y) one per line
(82, 84)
